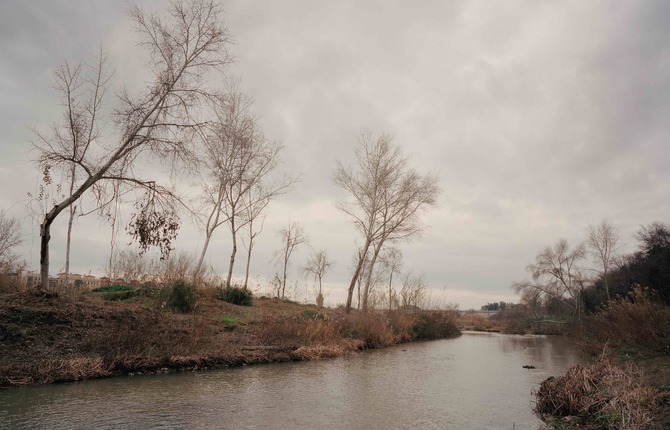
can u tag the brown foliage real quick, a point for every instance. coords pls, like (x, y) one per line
(638, 321)
(608, 396)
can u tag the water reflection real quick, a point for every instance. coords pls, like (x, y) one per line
(475, 381)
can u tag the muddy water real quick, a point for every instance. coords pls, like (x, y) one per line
(473, 382)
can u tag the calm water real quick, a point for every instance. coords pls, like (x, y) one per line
(473, 382)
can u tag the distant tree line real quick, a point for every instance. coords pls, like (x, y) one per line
(570, 282)
(497, 306)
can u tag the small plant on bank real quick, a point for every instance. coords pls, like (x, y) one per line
(112, 289)
(180, 297)
(229, 322)
(313, 314)
(235, 295)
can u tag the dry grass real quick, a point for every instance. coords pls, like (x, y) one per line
(48, 338)
(477, 323)
(638, 321)
(602, 395)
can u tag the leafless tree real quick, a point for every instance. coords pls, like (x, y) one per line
(160, 120)
(385, 200)
(129, 266)
(292, 236)
(556, 275)
(255, 221)
(10, 238)
(317, 266)
(603, 242)
(175, 267)
(239, 159)
(391, 260)
(413, 291)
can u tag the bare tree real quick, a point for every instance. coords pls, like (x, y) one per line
(317, 266)
(255, 220)
(10, 238)
(239, 159)
(603, 242)
(175, 267)
(159, 121)
(292, 236)
(385, 200)
(413, 291)
(556, 275)
(129, 266)
(391, 260)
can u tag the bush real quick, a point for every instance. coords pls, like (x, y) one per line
(112, 289)
(181, 297)
(235, 295)
(313, 314)
(229, 321)
(637, 321)
(434, 325)
(601, 396)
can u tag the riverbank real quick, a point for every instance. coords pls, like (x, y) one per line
(46, 337)
(627, 386)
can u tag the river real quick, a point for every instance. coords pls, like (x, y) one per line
(476, 381)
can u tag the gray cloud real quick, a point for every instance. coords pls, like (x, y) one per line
(538, 117)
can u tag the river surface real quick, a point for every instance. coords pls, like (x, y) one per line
(475, 381)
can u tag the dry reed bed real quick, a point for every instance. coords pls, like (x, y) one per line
(601, 395)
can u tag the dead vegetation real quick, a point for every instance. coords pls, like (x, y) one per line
(602, 395)
(49, 337)
(628, 387)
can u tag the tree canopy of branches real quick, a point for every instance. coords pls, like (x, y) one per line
(292, 236)
(603, 242)
(648, 267)
(238, 160)
(556, 276)
(10, 238)
(385, 198)
(160, 120)
(317, 266)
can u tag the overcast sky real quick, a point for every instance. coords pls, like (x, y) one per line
(538, 117)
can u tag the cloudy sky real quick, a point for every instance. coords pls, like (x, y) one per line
(538, 117)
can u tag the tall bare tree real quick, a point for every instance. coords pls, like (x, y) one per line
(557, 275)
(10, 238)
(317, 265)
(603, 242)
(292, 237)
(239, 160)
(385, 200)
(159, 121)
(413, 291)
(391, 260)
(255, 207)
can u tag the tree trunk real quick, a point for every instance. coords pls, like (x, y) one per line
(246, 271)
(391, 290)
(68, 243)
(45, 236)
(354, 279)
(232, 254)
(209, 231)
(368, 281)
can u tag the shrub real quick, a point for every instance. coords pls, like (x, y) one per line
(181, 297)
(434, 325)
(229, 321)
(637, 321)
(112, 289)
(235, 295)
(119, 295)
(373, 329)
(601, 395)
(313, 314)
